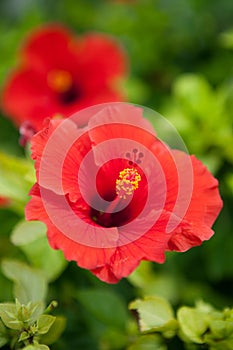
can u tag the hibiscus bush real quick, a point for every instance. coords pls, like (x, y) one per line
(116, 185)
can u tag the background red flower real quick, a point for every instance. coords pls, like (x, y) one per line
(3, 201)
(111, 243)
(59, 73)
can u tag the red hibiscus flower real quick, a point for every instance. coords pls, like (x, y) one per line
(112, 194)
(61, 74)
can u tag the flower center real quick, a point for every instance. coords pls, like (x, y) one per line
(60, 81)
(127, 182)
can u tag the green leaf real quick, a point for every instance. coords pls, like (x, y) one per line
(35, 310)
(30, 284)
(26, 232)
(105, 306)
(222, 345)
(36, 347)
(23, 336)
(149, 342)
(17, 316)
(9, 316)
(30, 237)
(14, 175)
(155, 314)
(44, 323)
(193, 323)
(54, 331)
(29, 313)
(3, 334)
(221, 328)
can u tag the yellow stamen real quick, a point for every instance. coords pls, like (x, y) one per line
(127, 182)
(59, 80)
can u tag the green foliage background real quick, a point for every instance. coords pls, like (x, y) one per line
(181, 65)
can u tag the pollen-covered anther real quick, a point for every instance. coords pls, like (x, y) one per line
(59, 80)
(127, 182)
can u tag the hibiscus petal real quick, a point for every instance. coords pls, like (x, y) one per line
(120, 120)
(125, 259)
(26, 96)
(102, 58)
(114, 263)
(202, 211)
(189, 235)
(48, 47)
(206, 193)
